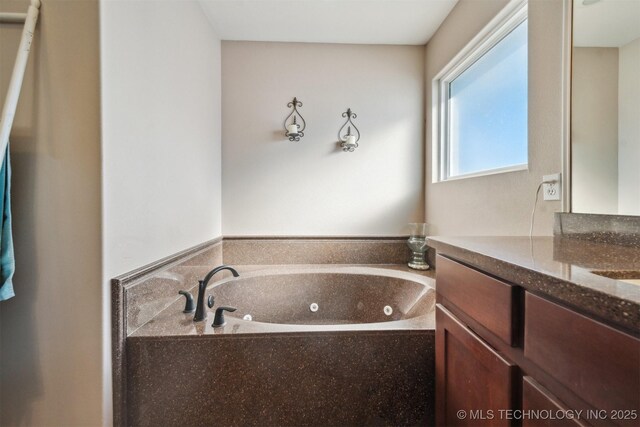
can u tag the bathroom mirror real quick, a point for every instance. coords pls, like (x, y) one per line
(605, 107)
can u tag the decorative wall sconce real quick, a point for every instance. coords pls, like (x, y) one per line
(292, 129)
(349, 142)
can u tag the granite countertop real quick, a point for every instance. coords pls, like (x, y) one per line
(560, 268)
(172, 323)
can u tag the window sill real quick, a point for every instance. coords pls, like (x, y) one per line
(515, 168)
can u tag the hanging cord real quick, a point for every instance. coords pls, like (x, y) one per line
(535, 204)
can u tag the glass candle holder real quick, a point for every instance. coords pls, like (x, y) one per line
(418, 244)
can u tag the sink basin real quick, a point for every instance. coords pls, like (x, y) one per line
(628, 276)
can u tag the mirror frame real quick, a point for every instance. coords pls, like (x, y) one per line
(567, 55)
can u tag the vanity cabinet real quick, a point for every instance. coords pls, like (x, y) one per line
(508, 357)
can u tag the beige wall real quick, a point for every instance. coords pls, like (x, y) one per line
(161, 130)
(629, 130)
(50, 339)
(501, 204)
(594, 130)
(272, 186)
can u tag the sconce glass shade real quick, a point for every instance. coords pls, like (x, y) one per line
(293, 130)
(349, 141)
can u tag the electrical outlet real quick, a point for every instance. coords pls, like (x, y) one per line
(552, 191)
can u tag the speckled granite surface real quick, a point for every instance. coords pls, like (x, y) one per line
(559, 268)
(148, 294)
(615, 229)
(138, 296)
(265, 251)
(381, 378)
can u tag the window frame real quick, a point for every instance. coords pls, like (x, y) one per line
(511, 16)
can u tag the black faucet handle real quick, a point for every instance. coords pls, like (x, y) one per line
(218, 319)
(210, 301)
(189, 307)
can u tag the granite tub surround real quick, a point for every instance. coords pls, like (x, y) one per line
(616, 229)
(153, 289)
(309, 250)
(351, 362)
(320, 379)
(559, 268)
(138, 296)
(151, 335)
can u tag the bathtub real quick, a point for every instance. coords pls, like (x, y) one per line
(356, 298)
(326, 345)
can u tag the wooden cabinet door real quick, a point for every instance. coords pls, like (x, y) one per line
(543, 409)
(473, 382)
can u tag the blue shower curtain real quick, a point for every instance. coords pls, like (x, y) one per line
(7, 261)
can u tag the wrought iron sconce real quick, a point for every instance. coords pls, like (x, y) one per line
(293, 130)
(349, 142)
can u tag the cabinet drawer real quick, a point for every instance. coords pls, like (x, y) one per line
(488, 301)
(538, 400)
(599, 363)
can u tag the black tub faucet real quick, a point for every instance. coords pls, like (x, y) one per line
(202, 289)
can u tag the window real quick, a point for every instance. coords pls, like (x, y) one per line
(480, 103)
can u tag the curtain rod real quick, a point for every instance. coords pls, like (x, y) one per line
(13, 92)
(12, 18)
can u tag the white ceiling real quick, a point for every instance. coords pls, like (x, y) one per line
(405, 22)
(606, 23)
